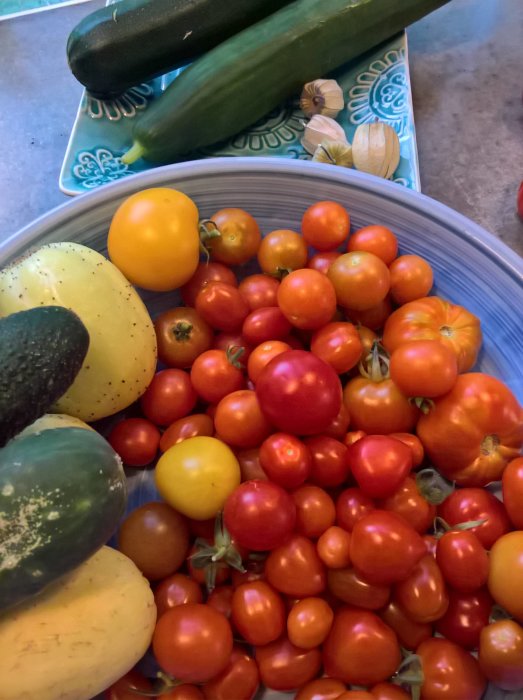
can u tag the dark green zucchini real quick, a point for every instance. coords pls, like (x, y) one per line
(246, 76)
(62, 493)
(41, 352)
(126, 43)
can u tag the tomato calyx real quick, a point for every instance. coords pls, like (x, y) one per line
(433, 486)
(221, 553)
(410, 673)
(425, 405)
(441, 526)
(182, 331)
(234, 352)
(498, 614)
(161, 685)
(375, 366)
(208, 230)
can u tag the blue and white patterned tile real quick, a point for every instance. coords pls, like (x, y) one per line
(375, 86)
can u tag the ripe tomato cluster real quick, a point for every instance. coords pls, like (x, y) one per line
(304, 541)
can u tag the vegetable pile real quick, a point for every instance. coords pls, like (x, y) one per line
(325, 457)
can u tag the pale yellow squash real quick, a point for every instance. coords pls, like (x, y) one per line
(53, 420)
(81, 635)
(121, 359)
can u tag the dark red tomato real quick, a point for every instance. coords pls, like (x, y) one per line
(463, 560)
(169, 396)
(126, 687)
(231, 343)
(322, 261)
(329, 466)
(191, 426)
(410, 633)
(221, 600)
(315, 510)
(338, 428)
(239, 680)
(185, 691)
(333, 547)
(500, 653)
(352, 505)
(321, 689)
(250, 466)
(202, 528)
(294, 568)
(339, 345)
(466, 616)
(307, 299)
(258, 612)
(351, 587)
(384, 548)
(285, 459)
(181, 335)
(239, 420)
(206, 273)
(466, 504)
(299, 393)
(512, 482)
(259, 291)
(267, 323)
(177, 589)
(286, 667)
(353, 436)
(360, 649)
(222, 306)
(325, 225)
(423, 594)
(262, 355)
(259, 515)
(136, 441)
(192, 642)
(415, 444)
(389, 691)
(408, 503)
(449, 672)
(379, 464)
(215, 374)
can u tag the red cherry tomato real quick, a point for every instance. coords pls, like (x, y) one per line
(216, 373)
(321, 689)
(389, 691)
(294, 405)
(467, 614)
(259, 291)
(410, 633)
(136, 441)
(424, 368)
(500, 652)
(206, 273)
(169, 396)
(177, 589)
(467, 504)
(338, 427)
(423, 594)
(267, 323)
(231, 343)
(449, 672)
(294, 568)
(329, 467)
(360, 649)
(222, 306)
(309, 622)
(333, 547)
(259, 515)
(415, 444)
(374, 317)
(352, 588)
(262, 355)
(221, 600)
(315, 510)
(463, 560)
(375, 239)
(285, 459)
(258, 612)
(239, 420)
(186, 691)
(411, 278)
(379, 464)
(325, 225)
(512, 483)
(284, 666)
(339, 345)
(126, 687)
(191, 426)
(250, 467)
(408, 503)
(307, 299)
(239, 680)
(352, 505)
(323, 260)
(361, 280)
(353, 436)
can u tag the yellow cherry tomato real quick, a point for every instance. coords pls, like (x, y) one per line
(154, 239)
(196, 476)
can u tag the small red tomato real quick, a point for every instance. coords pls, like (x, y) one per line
(338, 427)
(285, 459)
(501, 654)
(206, 273)
(352, 588)
(512, 483)
(126, 687)
(333, 547)
(136, 441)
(329, 466)
(449, 672)
(169, 396)
(238, 238)
(221, 600)
(232, 343)
(389, 691)
(185, 691)
(259, 291)
(191, 426)
(322, 261)
(181, 335)
(239, 420)
(286, 667)
(177, 589)
(375, 239)
(222, 306)
(294, 568)
(474, 503)
(415, 444)
(353, 436)
(250, 467)
(339, 345)
(307, 299)
(239, 680)
(309, 622)
(373, 317)
(325, 225)
(467, 614)
(410, 633)
(321, 689)
(315, 510)
(379, 464)
(267, 323)
(424, 368)
(216, 373)
(463, 560)
(408, 503)
(259, 515)
(258, 612)
(352, 505)
(423, 594)
(262, 355)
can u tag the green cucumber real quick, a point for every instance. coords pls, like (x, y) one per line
(62, 493)
(123, 44)
(246, 76)
(41, 352)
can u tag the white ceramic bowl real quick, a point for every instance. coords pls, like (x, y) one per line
(471, 266)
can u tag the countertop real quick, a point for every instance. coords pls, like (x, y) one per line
(466, 69)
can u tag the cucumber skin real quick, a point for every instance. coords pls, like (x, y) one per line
(121, 45)
(241, 80)
(62, 494)
(41, 352)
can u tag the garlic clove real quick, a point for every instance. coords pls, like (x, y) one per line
(376, 149)
(334, 152)
(322, 97)
(320, 128)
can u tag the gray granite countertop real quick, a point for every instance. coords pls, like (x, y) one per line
(466, 68)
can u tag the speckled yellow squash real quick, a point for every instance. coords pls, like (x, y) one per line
(121, 359)
(80, 635)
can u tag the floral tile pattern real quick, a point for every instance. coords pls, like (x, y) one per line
(376, 86)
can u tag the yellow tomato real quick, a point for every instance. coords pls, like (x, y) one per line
(154, 240)
(196, 476)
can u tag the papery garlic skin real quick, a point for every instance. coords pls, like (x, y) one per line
(334, 152)
(322, 97)
(376, 149)
(320, 128)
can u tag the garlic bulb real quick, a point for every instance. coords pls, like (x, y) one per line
(376, 149)
(322, 97)
(320, 128)
(334, 152)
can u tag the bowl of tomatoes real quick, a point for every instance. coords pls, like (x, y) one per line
(338, 367)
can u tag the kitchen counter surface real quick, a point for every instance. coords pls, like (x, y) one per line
(465, 63)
